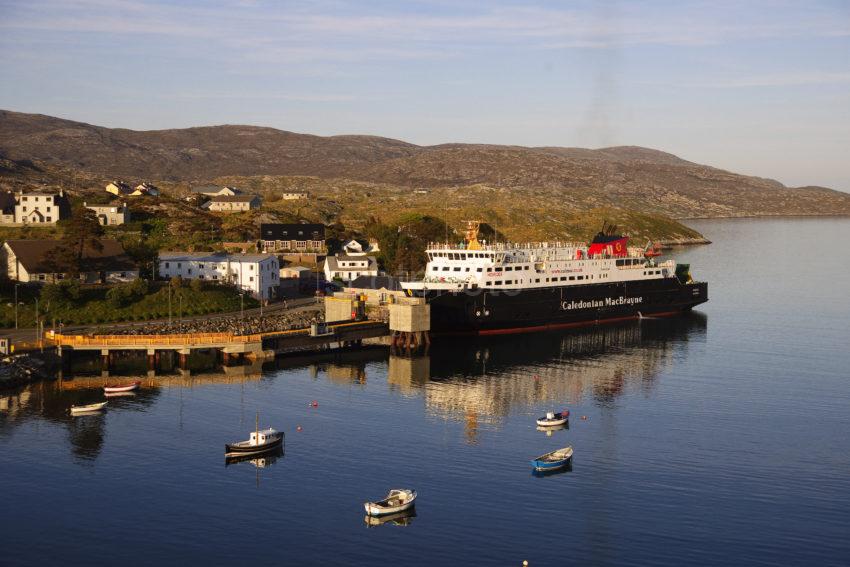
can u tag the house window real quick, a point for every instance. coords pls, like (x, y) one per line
(166, 265)
(215, 277)
(251, 279)
(498, 282)
(457, 269)
(477, 269)
(446, 269)
(201, 266)
(48, 219)
(41, 277)
(189, 271)
(200, 277)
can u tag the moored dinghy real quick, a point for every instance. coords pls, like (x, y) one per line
(553, 461)
(398, 500)
(553, 419)
(89, 408)
(117, 388)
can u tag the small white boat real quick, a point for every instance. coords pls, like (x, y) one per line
(398, 500)
(90, 408)
(553, 419)
(117, 388)
(261, 441)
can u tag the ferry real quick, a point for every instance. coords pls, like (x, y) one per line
(499, 288)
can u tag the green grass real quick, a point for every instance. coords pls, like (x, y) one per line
(93, 308)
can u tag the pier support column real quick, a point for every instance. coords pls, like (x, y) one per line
(184, 357)
(65, 360)
(105, 360)
(225, 358)
(151, 359)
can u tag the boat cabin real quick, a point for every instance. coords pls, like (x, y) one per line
(264, 436)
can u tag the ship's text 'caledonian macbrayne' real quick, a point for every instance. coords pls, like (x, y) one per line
(483, 288)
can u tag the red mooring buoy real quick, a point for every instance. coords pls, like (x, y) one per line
(314, 404)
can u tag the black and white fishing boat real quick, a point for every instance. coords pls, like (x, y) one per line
(260, 441)
(485, 288)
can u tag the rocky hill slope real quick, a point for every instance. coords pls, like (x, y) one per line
(576, 179)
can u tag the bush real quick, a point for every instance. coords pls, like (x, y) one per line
(176, 282)
(196, 285)
(125, 293)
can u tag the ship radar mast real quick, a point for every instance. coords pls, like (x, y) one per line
(471, 235)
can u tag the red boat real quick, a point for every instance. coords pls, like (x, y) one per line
(115, 388)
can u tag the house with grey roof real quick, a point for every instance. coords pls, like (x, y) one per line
(347, 268)
(232, 203)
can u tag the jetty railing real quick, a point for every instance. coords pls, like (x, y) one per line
(181, 339)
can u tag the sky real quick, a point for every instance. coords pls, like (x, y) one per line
(756, 87)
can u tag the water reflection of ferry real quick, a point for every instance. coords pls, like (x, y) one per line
(480, 381)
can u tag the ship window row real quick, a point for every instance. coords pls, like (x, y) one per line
(629, 262)
(463, 255)
(651, 272)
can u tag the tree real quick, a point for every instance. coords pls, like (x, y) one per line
(81, 232)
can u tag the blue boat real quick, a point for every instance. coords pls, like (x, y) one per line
(553, 461)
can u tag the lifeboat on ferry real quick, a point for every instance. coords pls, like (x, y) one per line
(652, 251)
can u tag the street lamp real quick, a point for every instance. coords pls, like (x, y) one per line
(16, 305)
(242, 305)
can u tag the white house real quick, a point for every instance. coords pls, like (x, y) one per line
(146, 189)
(232, 203)
(41, 208)
(257, 274)
(118, 188)
(347, 267)
(213, 191)
(293, 196)
(358, 248)
(110, 214)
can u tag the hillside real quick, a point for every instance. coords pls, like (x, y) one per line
(530, 192)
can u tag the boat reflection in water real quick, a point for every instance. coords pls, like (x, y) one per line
(550, 429)
(565, 469)
(404, 518)
(259, 461)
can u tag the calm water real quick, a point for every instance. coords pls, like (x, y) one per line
(718, 438)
